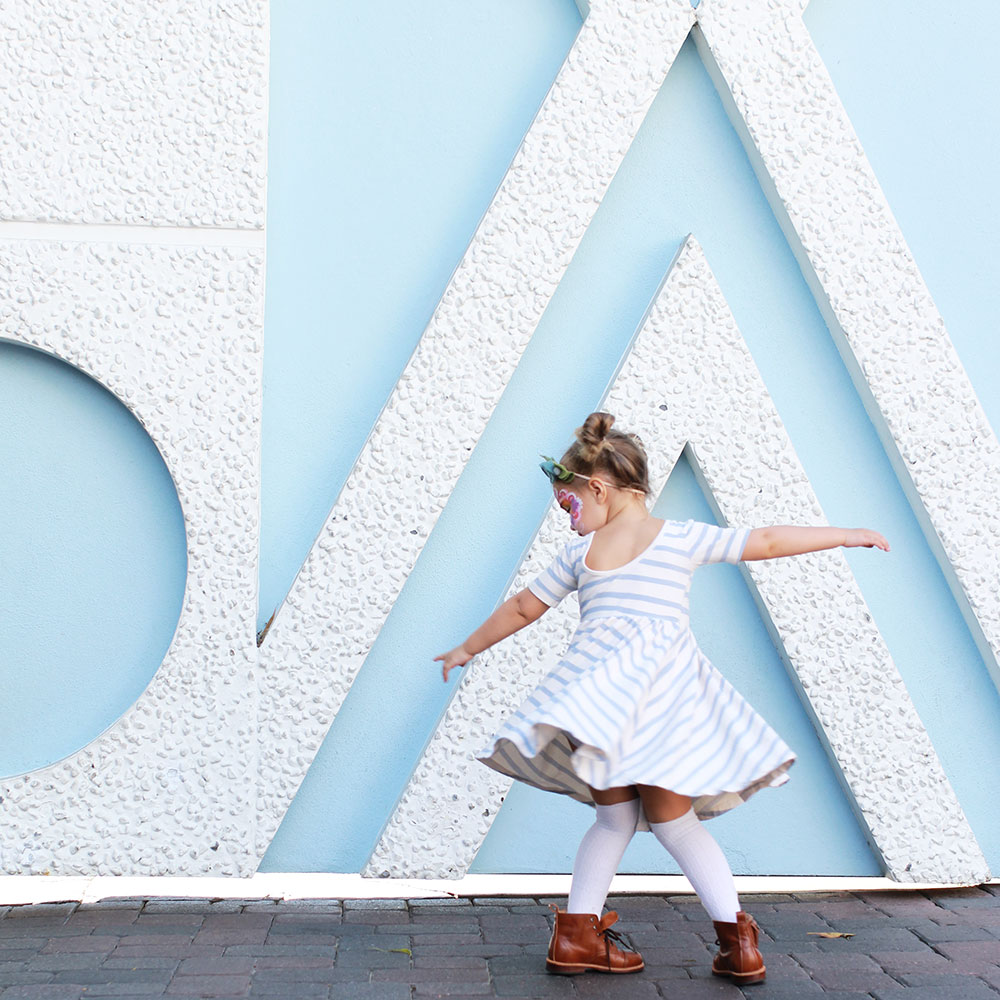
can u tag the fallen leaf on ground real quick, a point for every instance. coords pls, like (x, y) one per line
(830, 934)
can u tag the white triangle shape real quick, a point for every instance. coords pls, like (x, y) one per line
(689, 381)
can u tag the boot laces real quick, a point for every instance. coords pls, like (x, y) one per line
(615, 936)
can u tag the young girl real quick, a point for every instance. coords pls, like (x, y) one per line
(634, 719)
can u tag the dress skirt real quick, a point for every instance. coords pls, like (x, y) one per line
(635, 701)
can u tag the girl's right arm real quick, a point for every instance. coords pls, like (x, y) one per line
(785, 540)
(520, 610)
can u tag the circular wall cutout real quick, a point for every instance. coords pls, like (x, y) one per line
(93, 559)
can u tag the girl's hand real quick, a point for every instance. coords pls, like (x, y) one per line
(855, 537)
(457, 657)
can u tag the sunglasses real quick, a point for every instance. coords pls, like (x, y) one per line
(558, 473)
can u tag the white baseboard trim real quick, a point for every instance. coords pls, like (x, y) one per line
(20, 889)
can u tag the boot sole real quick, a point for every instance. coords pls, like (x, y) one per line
(562, 969)
(744, 978)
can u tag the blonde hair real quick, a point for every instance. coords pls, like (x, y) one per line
(614, 456)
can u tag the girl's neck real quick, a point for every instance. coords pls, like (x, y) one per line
(629, 509)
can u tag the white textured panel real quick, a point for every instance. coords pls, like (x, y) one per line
(176, 335)
(689, 379)
(865, 279)
(436, 413)
(139, 111)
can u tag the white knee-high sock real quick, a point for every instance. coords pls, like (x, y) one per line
(598, 856)
(702, 861)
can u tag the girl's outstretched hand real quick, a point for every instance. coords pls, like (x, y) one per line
(457, 657)
(856, 537)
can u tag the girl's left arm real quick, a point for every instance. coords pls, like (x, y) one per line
(786, 540)
(514, 614)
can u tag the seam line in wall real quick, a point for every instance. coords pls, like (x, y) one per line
(203, 236)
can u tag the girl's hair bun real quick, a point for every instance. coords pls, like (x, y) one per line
(599, 450)
(593, 435)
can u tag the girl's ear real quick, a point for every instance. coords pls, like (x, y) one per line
(599, 490)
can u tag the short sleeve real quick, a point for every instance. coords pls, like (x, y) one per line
(708, 543)
(559, 580)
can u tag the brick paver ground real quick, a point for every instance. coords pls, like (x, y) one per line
(905, 946)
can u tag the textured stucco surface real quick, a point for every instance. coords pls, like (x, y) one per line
(866, 281)
(133, 112)
(139, 114)
(689, 380)
(143, 114)
(442, 402)
(175, 334)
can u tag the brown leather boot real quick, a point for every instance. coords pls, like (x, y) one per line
(582, 941)
(739, 957)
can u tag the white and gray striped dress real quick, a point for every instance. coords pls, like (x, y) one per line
(634, 700)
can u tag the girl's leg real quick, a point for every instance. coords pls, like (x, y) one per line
(675, 825)
(582, 938)
(602, 848)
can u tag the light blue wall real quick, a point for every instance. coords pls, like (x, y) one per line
(686, 172)
(92, 559)
(915, 77)
(390, 126)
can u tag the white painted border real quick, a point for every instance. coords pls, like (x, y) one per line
(16, 890)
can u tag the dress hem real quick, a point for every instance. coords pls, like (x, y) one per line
(706, 805)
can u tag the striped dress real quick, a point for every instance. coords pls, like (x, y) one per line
(634, 700)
